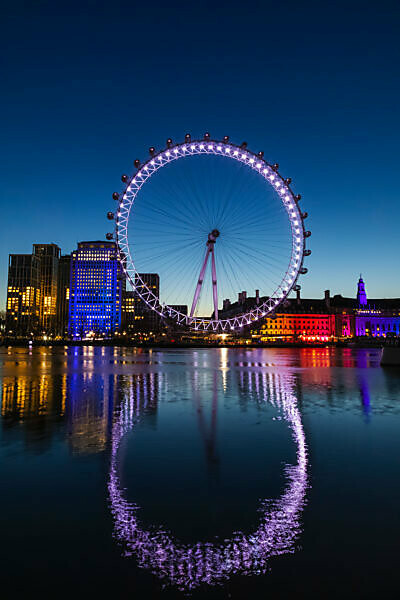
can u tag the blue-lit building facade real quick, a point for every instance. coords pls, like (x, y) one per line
(377, 322)
(375, 317)
(96, 286)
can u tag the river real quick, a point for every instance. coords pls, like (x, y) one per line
(217, 473)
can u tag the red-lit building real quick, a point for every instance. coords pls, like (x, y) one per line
(331, 319)
(309, 320)
(298, 327)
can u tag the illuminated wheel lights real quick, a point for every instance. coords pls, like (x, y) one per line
(254, 162)
(188, 566)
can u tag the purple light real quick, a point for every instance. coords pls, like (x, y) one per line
(199, 147)
(188, 566)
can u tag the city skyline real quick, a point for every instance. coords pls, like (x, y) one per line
(84, 296)
(293, 87)
(354, 293)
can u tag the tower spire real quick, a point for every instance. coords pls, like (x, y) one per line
(361, 293)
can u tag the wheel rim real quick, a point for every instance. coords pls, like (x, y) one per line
(271, 176)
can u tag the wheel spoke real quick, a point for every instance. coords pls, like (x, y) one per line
(168, 217)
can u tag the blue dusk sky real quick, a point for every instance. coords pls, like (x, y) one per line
(87, 87)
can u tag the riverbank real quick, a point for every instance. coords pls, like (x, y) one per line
(361, 343)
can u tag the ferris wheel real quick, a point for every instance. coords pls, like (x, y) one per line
(216, 221)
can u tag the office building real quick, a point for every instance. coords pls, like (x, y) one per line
(96, 290)
(49, 255)
(128, 313)
(23, 295)
(147, 320)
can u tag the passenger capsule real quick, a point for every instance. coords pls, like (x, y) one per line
(187, 137)
(298, 197)
(207, 136)
(169, 143)
(303, 270)
(115, 196)
(260, 154)
(136, 163)
(124, 178)
(304, 215)
(152, 150)
(110, 216)
(243, 145)
(288, 180)
(297, 288)
(109, 236)
(307, 234)
(225, 139)
(275, 166)
(307, 252)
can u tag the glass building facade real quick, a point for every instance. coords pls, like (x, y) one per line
(23, 295)
(147, 320)
(129, 317)
(49, 255)
(96, 285)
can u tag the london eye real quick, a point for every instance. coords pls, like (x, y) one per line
(219, 224)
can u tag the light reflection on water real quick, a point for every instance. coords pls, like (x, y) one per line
(115, 402)
(188, 566)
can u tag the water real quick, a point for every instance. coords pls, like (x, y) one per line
(220, 473)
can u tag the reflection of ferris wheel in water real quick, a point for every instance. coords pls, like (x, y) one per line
(188, 566)
(225, 210)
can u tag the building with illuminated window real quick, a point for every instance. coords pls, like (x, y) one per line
(332, 318)
(128, 312)
(377, 322)
(376, 317)
(298, 327)
(63, 291)
(49, 255)
(302, 320)
(23, 295)
(95, 290)
(147, 320)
